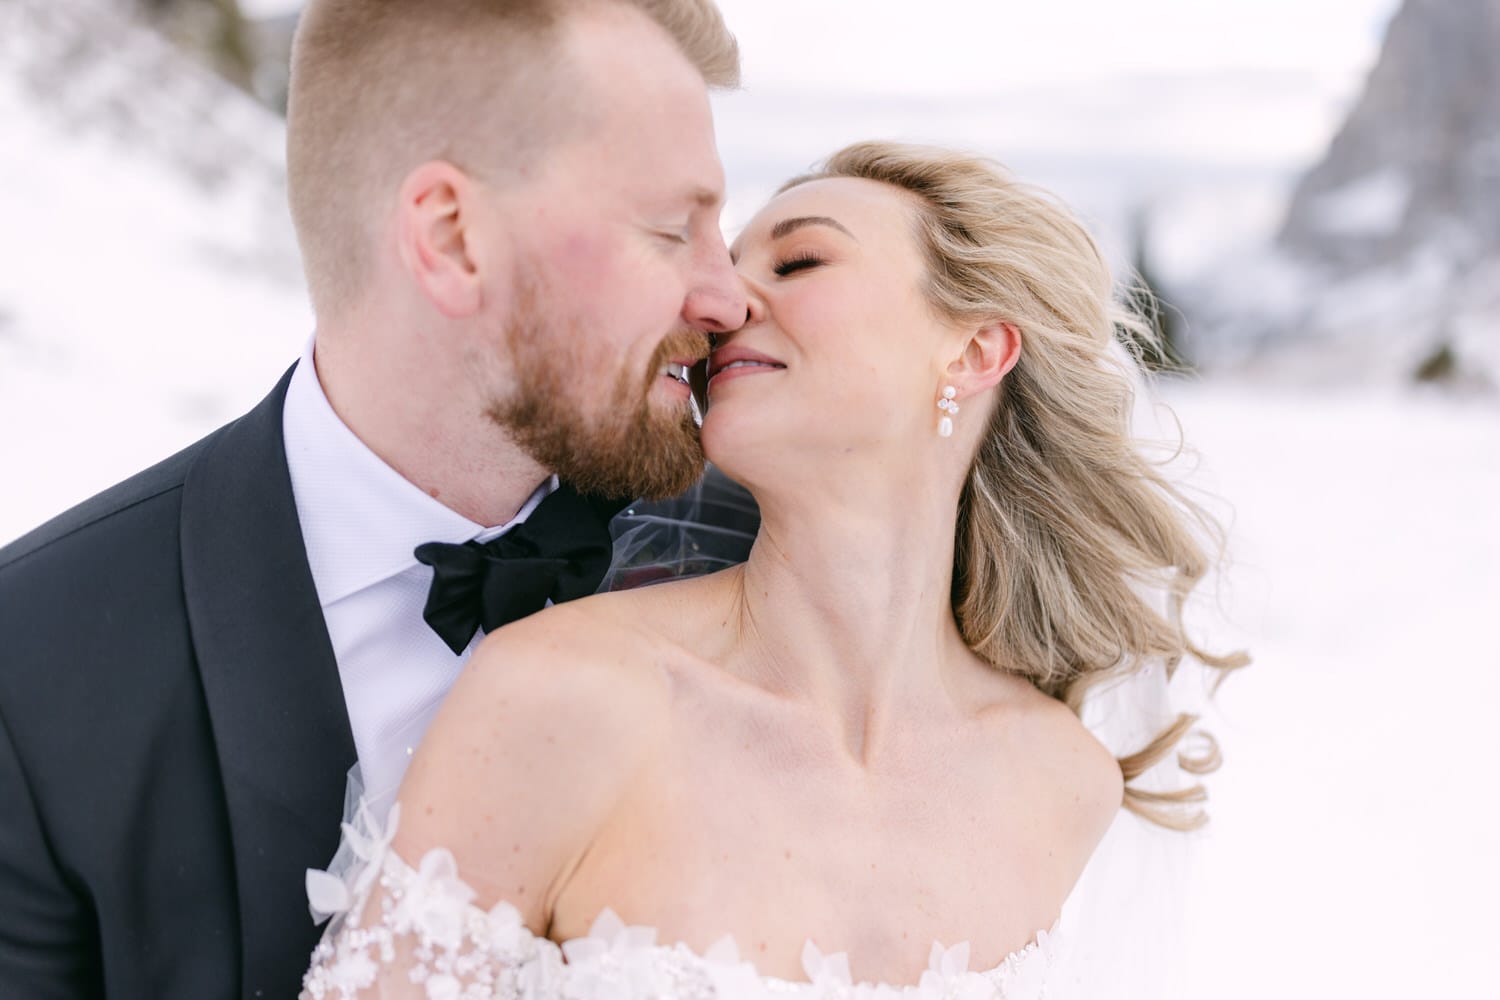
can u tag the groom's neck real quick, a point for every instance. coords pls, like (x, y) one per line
(416, 411)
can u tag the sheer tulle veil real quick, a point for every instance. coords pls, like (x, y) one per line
(1126, 917)
(708, 528)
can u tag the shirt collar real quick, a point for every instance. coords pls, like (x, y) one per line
(361, 519)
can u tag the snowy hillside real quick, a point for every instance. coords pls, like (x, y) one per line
(150, 288)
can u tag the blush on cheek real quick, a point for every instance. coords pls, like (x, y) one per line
(586, 256)
(616, 289)
(582, 271)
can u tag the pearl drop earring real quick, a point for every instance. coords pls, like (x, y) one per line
(949, 408)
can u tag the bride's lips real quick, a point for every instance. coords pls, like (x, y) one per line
(735, 361)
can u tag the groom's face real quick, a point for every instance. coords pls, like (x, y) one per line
(621, 272)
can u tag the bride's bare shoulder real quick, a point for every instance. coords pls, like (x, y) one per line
(1077, 777)
(600, 666)
(554, 719)
(581, 667)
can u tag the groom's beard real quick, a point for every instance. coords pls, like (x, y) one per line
(612, 443)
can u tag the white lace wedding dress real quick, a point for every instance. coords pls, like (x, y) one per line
(424, 922)
(418, 933)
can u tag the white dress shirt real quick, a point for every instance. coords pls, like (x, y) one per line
(361, 521)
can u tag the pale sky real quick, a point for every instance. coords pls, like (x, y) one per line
(950, 46)
(1248, 84)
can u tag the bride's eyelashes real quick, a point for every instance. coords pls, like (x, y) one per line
(796, 262)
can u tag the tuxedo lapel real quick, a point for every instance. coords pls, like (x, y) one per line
(279, 721)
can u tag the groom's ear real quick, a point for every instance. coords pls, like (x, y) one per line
(435, 217)
(989, 354)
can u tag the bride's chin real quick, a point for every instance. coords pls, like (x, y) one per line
(737, 448)
(715, 433)
(717, 448)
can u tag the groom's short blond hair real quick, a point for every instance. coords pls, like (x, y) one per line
(381, 86)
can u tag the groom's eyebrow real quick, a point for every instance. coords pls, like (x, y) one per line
(706, 197)
(787, 226)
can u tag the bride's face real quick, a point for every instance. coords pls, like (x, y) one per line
(840, 355)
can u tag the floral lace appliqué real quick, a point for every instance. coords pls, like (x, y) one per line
(421, 936)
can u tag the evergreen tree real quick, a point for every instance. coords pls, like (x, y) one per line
(1164, 351)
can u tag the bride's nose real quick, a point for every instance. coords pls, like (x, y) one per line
(755, 306)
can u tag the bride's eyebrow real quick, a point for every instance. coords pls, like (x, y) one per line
(787, 226)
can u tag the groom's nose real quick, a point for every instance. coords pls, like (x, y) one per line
(716, 299)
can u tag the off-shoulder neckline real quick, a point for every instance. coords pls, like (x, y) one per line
(610, 932)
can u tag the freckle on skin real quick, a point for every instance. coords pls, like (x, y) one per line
(789, 855)
(516, 849)
(427, 811)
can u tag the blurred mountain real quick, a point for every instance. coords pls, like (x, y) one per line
(1387, 263)
(1418, 159)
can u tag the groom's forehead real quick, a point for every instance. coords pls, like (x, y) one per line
(669, 165)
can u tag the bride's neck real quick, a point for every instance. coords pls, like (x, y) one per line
(845, 603)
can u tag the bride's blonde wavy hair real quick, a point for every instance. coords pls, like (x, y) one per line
(1067, 533)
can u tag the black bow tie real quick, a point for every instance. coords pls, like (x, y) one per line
(560, 552)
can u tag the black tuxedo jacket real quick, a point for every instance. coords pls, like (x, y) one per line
(173, 733)
(174, 742)
(173, 736)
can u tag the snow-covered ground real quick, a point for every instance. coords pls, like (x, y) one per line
(1353, 849)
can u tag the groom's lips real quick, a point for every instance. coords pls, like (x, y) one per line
(687, 363)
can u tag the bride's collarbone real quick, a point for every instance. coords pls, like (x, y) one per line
(881, 883)
(742, 822)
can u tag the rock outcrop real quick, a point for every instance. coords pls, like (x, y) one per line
(1387, 265)
(1418, 159)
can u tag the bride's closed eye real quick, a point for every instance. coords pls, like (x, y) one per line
(801, 261)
